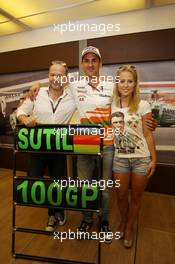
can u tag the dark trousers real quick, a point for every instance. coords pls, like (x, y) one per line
(56, 165)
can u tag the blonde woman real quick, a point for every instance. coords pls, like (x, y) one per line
(135, 156)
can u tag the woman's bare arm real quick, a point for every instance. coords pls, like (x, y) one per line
(151, 145)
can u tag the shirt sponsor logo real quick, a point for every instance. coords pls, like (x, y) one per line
(104, 95)
(81, 87)
(81, 97)
(82, 91)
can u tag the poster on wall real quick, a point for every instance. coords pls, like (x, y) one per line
(13, 91)
(157, 86)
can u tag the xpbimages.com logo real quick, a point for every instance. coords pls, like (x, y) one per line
(76, 77)
(101, 184)
(102, 132)
(100, 28)
(71, 235)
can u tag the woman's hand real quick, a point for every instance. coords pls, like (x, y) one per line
(151, 169)
(150, 122)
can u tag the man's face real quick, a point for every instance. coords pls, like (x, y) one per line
(57, 76)
(118, 123)
(91, 64)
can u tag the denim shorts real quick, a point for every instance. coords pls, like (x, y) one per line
(137, 166)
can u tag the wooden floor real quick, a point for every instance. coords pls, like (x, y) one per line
(154, 240)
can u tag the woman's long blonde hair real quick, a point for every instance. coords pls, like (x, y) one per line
(134, 103)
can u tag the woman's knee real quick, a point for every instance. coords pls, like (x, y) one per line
(136, 198)
(122, 194)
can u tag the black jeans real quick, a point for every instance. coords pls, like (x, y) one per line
(56, 165)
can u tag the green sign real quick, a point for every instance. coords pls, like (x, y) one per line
(67, 139)
(44, 139)
(46, 193)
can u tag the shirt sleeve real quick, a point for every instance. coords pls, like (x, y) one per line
(26, 108)
(69, 90)
(145, 108)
